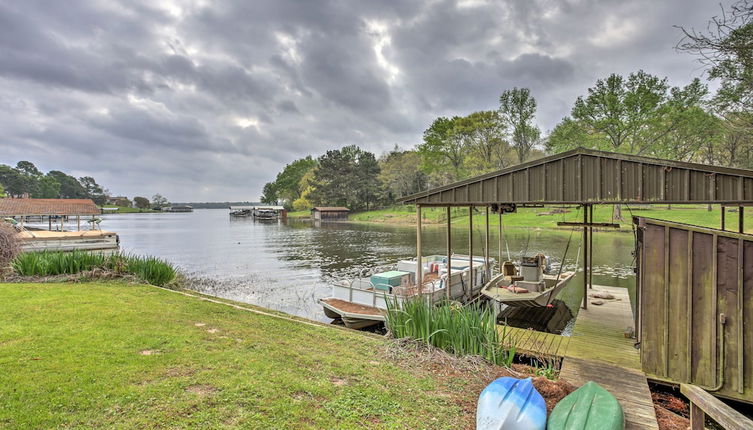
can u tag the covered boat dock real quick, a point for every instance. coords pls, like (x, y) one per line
(585, 178)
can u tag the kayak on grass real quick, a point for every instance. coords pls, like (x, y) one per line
(510, 403)
(590, 407)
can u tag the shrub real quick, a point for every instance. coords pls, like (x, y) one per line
(9, 247)
(469, 330)
(149, 269)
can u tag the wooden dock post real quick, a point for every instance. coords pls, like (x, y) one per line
(585, 257)
(590, 247)
(449, 254)
(470, 249)
(741, 220)
(419, 263)
(488, 270)
(499, 232)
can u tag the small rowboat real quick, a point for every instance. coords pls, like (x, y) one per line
(590, 407)
(509, 403)
(502, 289)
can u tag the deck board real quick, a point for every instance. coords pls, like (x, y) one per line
(598, 351)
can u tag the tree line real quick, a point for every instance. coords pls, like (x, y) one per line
(25, 179)
(639, 114)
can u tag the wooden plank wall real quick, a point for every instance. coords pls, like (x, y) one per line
(696, 310)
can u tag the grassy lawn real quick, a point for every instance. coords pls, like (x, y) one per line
(123, 210)
(117, 355)
(299, 214)
(543, 218)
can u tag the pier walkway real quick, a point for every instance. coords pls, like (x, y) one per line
(598, 350)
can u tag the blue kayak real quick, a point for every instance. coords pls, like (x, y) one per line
(509, 403)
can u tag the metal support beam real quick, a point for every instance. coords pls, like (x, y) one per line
(419, 264)
(78, 222)
(449, 255)
(590, 224)
(724, 210)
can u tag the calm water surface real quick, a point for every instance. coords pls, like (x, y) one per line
(288, 266)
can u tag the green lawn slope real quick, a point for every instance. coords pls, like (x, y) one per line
(117, 355)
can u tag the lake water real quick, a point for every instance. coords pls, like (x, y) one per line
(287, 266)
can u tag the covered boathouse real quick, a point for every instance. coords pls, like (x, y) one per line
(41, 224)
(694, 285)
(329, 213)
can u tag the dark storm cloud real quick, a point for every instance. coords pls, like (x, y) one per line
(205, 100)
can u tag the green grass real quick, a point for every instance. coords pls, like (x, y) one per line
(299, 214)
(123, 210)
(149, 269)
(460, 330)
(116, 355)
(540, 217)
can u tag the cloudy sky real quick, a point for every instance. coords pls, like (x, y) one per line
(206, 101)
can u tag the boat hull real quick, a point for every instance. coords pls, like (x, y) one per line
(588, 407)
(493, 291)
(510, 403)
(352, 315)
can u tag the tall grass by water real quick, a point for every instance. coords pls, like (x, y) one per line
(148, 269)
(469, 330)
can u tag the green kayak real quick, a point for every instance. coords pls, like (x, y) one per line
(588, 407)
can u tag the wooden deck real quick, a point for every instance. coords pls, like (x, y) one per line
(598, 351)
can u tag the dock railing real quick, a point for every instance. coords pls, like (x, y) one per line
(702, 403)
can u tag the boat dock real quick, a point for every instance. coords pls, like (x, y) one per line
(598, 350)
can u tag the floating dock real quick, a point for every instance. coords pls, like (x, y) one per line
(87, 240)
(598, 350)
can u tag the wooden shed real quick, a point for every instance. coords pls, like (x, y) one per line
(329, 213)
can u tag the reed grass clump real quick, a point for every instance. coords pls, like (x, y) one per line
(152, 270)
(469, 330)
(8, 246)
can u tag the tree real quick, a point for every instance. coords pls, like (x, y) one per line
(15, 183)
(287, 183)
(141, 202)
(726, 50)
(483, 134)
(306, 185)
(28, 168)
(93, 190)
(70, 188)
(269, 194)
(347, 177)
(47, 188)
(442, 150)
(517, 108)
(400, 175)
(2, 191)
(158, 201)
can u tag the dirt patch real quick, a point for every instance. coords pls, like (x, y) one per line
(213, 330)
(201, 389)
(669, 420)
(552, 391)
(199, 324)
(179, 372)
(149, 352)
(338, 382)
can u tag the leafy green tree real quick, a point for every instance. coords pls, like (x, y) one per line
(517, 108)
(15, 183)
(483, 134)
(347, 177)
(2, 191)
(28, 168)
(442, 149)
(306, 185)
(269, 194)
(70, 188)
(287, 183)
(159, 201)
(47, 187)
(400, 174)
(93, 190)
(141, 202)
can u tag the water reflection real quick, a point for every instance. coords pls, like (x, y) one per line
(288, 265)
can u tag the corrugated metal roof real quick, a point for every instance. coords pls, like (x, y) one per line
(330, 209)
(589, 176)
(16, 207)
